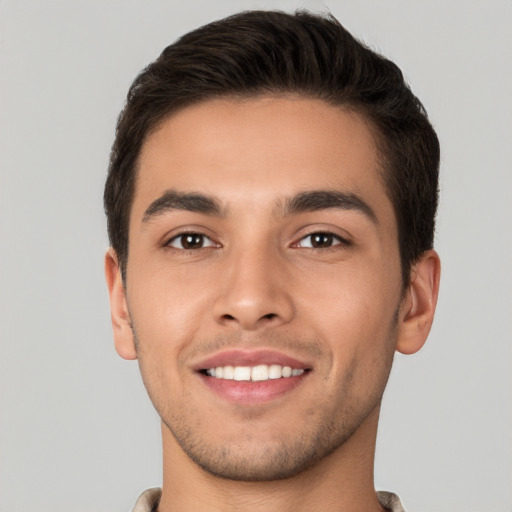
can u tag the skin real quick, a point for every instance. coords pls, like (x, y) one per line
(258, 284)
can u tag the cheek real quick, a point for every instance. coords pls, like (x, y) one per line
(166, 302)
(354, 311)
(351, 300)
(166, 316)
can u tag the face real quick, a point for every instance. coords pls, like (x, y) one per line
(263, 282)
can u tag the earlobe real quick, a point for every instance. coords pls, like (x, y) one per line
(121, 323)
(419, 304)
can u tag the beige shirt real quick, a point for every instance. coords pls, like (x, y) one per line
(148, 501)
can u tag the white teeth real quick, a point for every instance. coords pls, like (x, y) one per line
(259, 372)
(254, 373)
(242, 373)
(228, 372)
(275, 371)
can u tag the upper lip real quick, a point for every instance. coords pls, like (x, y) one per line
(240, 357)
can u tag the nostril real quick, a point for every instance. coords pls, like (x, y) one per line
(268, 316)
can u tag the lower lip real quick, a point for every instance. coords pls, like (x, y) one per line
(250, 392)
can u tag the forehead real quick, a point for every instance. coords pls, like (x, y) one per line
(254, 151)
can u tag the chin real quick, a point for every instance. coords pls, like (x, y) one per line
(258, 460)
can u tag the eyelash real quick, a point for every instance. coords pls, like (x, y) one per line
(191, 234)
(333, 239)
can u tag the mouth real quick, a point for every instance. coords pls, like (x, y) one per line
(252, 377)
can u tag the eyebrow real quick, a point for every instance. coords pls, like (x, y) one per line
(326, 199)
(172, 200)
(301, 203)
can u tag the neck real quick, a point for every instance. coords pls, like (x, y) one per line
(342, 481)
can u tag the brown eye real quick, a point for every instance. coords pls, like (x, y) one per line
(190, 241)
(321, 241)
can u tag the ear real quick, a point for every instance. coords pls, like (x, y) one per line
(121, 322)
(419, 304)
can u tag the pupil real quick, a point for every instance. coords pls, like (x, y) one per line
(321, 240)
(192, 241)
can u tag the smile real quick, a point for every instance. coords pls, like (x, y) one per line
(252, 377)
(257, 373)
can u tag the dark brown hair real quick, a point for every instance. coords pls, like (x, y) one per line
(258, 53)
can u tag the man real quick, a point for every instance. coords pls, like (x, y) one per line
(270, 200)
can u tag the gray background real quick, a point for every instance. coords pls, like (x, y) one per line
(77, 431)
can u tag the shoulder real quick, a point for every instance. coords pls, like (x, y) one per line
(390, 501)
(148, 500)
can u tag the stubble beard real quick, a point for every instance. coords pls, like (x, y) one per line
(282, 455)
(288, 453)
(279, 459)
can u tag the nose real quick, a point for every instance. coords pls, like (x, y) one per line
(254, 291)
